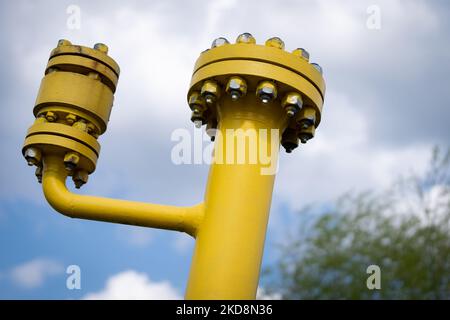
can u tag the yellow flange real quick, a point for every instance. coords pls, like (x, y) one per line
(268, 71)
(72, 108)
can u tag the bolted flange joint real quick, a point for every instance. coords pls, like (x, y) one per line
(72, 108)
(275, 77)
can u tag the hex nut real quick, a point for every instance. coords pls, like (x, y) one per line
(266, 91)
(236, 87)
(302, 53)
(275, 42)
(210, 91)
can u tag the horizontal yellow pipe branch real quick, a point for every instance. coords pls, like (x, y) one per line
(184, 219)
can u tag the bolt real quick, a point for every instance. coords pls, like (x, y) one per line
(196, 101)
(51, 116)
(80, 177)
(198, 117)
(90, 128)
(33, 156)
(302, 53)
(71, 118)
(304, 137)
(306, 117)
(275, 42)
(289, 140)
(94, 75)
(292, 103)
(291, 111)
(64, 42)
(38, 173)
(40, 119)
(211, 128)
(317, 67)
(219, 42)
(306, 134)
(266, 91)
(209, 98)
(265, 98)
(101, 47)
(71, 160)
(80, 125)
(236, 87)
(246, 38)
(210, 91)
(51, 70)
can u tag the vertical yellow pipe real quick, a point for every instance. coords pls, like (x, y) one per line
(230, 242)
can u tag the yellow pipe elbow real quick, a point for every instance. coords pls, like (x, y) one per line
(184, 219)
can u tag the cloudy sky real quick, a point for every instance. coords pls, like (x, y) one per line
(387, 104)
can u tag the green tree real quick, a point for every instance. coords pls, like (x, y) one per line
(404, 231)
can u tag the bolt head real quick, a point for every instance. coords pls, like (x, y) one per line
(51, 116)
(38, 173)
(195, 100)
(71, 118)
(219, 42)
(71, 160)
(302, 53)
(64, 42)
(51, 70)
(317, 67)
(306, 134)
(275, 42)
(246, 38)
(33, 156)
(236, 87)
(210, 91)
(266, 91)
(292, 102)
(306, 117)
(90, 128)
(198, 117)
(101, 47)
(80, 177)
(94, 75)
(80, 125)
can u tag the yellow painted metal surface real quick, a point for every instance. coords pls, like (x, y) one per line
(184, 219)
(230, 241)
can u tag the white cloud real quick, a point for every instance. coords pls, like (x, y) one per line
(32, 274)
(133, 285)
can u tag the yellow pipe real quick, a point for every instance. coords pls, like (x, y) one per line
(257, 95)
(230, 242)
(185, 219)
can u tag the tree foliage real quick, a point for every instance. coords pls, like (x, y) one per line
(405, 231)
